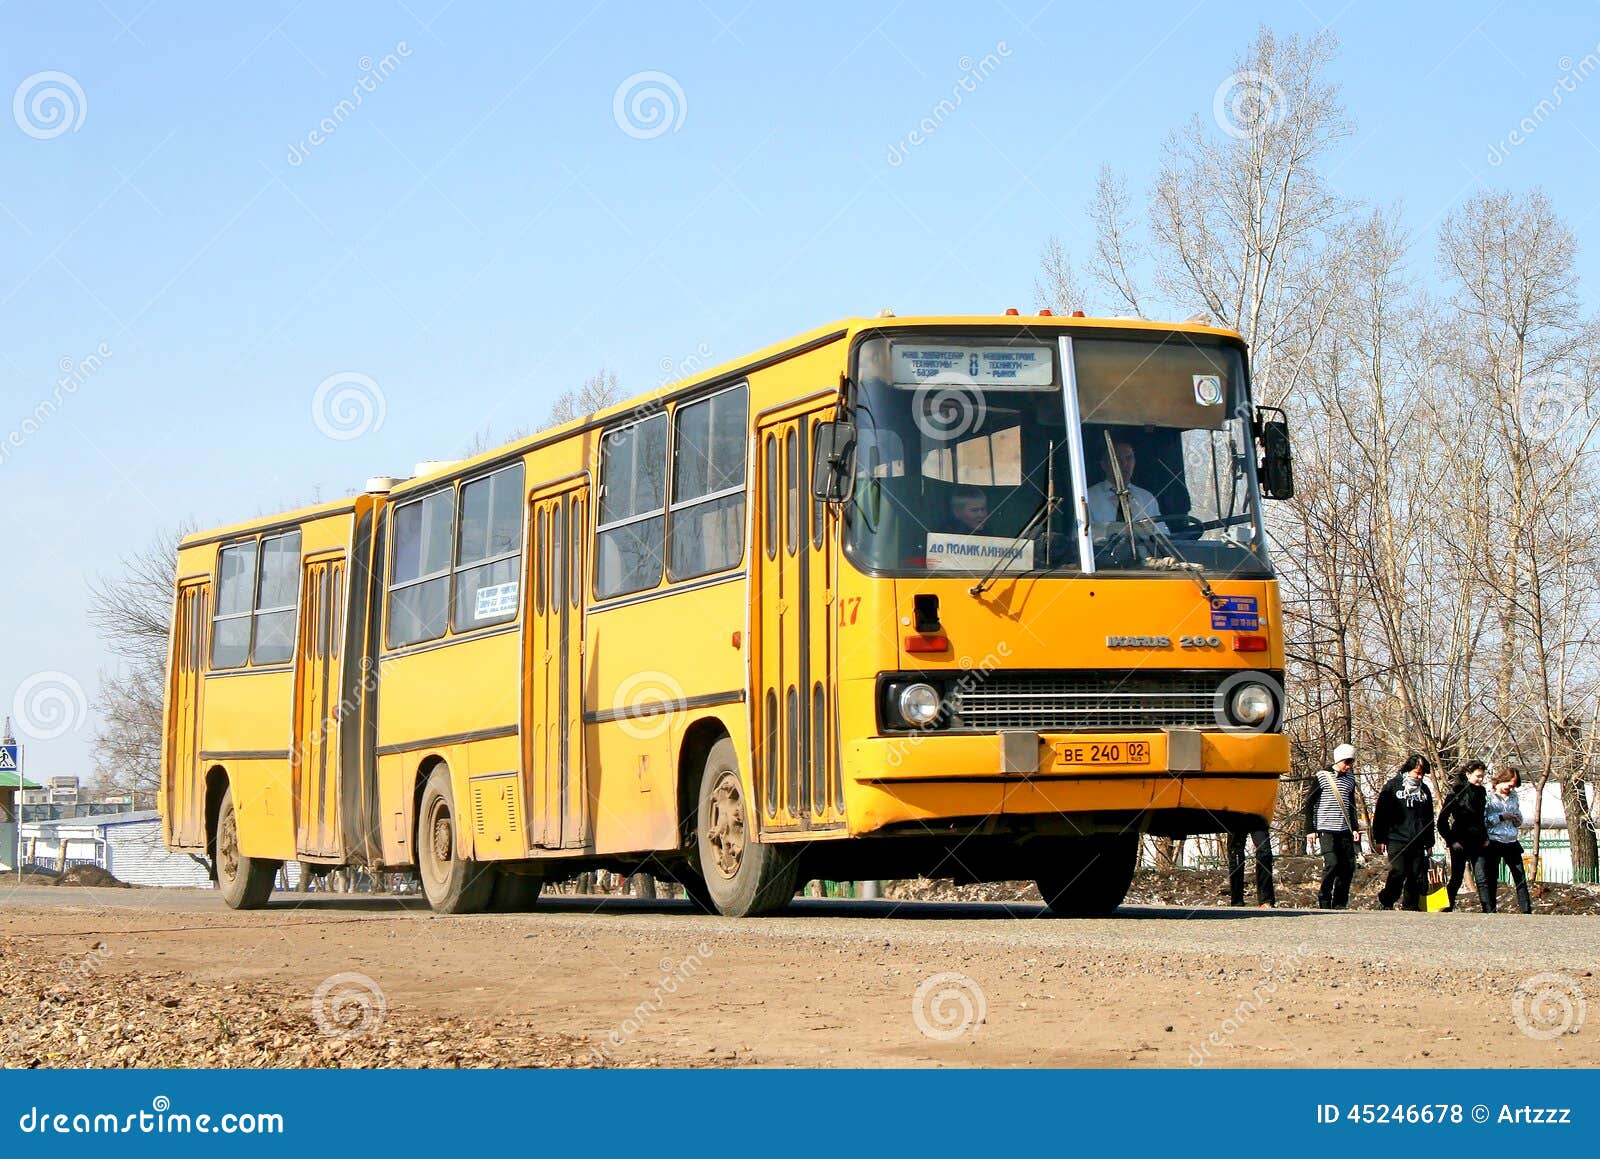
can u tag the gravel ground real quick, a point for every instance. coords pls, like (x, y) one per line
(147, 977)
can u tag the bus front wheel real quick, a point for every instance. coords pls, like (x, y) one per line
(452, 883)
(743, 877)
(1087, 876)
(245, 882)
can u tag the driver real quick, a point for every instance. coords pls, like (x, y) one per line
(1103, 505)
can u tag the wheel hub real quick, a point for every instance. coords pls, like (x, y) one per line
(228, 848)
(443, 838)
(725, 831)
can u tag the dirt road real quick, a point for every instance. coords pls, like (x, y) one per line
(146, 977)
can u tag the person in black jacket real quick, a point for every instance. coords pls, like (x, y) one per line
(1402, 827)
(1461, 822)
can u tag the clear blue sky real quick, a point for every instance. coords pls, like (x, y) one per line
(480, 232)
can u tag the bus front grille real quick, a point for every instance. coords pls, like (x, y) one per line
(1056, 702)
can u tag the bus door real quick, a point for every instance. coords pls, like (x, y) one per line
(314, 763)
(185, 786)
(557, 572)
(796, 760)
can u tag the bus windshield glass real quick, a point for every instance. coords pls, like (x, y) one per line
(964, 459)
(1173, 414)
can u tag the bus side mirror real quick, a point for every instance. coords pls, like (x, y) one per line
(1277, 456)
(833, 465)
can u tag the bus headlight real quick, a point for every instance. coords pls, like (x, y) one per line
(918, 705)
(1251, 704)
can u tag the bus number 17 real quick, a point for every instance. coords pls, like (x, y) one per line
(849, 609)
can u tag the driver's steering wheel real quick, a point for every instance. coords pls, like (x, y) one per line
(1183, 526)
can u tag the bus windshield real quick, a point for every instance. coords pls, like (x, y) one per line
(964, 457)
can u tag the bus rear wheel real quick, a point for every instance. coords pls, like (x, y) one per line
(1087, 876)
(452, 883)
(742, 876)
(245, 882)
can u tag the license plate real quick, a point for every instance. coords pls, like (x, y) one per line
(1120, 752)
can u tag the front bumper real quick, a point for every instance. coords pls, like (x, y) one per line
(929, 777)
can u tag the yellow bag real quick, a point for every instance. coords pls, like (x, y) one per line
(1438, 876)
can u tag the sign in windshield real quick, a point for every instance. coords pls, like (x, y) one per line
(977, 552)
(1022, 367)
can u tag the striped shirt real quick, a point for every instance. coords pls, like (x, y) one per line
(1330, 817)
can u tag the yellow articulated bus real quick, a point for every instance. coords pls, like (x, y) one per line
(974, 597)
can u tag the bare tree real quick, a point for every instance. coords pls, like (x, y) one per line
(1529, 358)
(132, 610)
(597, 392)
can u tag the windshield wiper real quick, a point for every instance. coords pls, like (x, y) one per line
(1046, 511)
(1045, 508)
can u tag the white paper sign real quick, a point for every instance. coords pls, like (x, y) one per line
(977, 552)
(496, 601)
(1015, 366)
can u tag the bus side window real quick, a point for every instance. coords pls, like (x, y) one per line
(631, 518)
(708, 470)
(770, 515)
(792, 509)
(419, 568)
(276, 596)
(230, 629)
(579, 529)
(539, 569)
(488, 550)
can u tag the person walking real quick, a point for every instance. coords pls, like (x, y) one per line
(1260, 836)
(1331, 809)
(1502, 817)
(1461, 823)
(1402, 828)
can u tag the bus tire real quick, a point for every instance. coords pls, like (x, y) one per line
(742, 877)
(514, 893)
(453, 884)
(245, 882)
(1087, 876)
(694, 889)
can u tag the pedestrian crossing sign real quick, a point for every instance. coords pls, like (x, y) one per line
(8, 758)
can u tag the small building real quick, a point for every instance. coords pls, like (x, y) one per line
(11, 784)
(129, 846)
